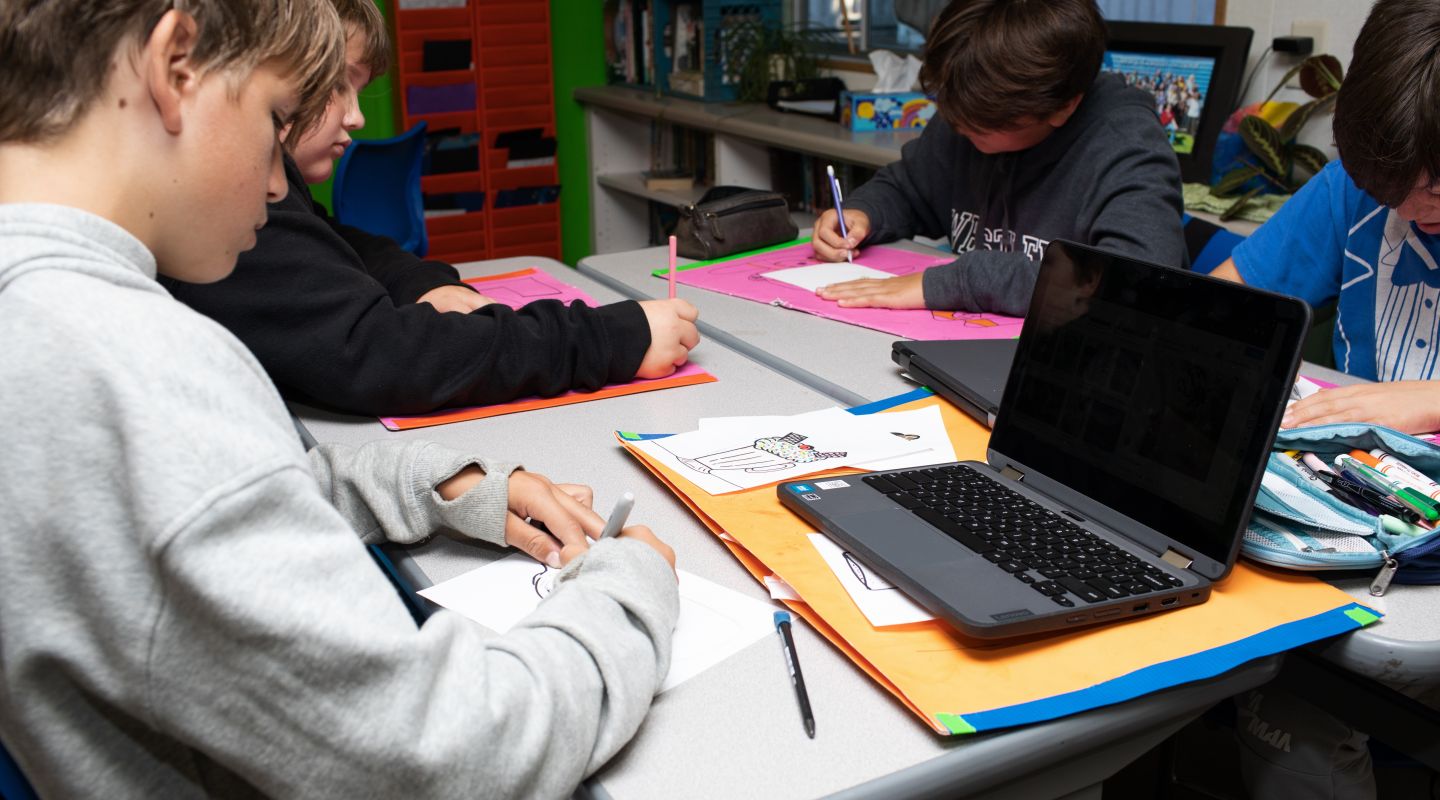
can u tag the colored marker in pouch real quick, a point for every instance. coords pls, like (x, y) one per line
(1409, 498)
(1395, 468)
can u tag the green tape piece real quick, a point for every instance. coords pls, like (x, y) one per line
(955, 723)
(628, 436)
(664, 272)
(1364, 616)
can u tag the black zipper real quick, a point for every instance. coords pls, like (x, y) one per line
(750, 206)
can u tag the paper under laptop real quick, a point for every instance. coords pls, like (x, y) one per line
(1131, 440)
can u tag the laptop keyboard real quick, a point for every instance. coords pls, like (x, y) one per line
(1036, 546)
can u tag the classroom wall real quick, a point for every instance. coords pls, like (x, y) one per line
(1271, 18)
(578, 56)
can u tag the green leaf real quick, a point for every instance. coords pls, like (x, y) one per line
(1290, 128)
(1264, 141)
(1239, 205)
(1313, 159)
(1320, 75)
(1233, 180)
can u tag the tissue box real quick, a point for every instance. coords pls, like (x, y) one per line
(871, 111)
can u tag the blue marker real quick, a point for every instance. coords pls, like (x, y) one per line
(839, 210)
(782, 626)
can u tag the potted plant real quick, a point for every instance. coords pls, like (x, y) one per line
(1274, 159)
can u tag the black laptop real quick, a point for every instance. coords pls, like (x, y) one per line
(970, 373)
(1133, 433)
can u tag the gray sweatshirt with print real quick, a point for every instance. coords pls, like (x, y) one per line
(186, 608)
(1107, 178)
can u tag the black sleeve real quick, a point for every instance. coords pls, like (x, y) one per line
(404, 276)
(329, 333)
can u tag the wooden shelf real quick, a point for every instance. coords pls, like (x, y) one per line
(633, 183)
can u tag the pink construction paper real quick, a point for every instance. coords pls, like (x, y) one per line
(517, 288)
(742, 277)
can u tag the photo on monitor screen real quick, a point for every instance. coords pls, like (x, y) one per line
(1178, 83)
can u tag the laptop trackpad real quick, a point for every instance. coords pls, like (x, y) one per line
(904, 539)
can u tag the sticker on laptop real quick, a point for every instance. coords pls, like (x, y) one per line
(802, 488)
(832, 484)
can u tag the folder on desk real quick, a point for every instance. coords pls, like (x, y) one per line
(515, 289)
(960, 686)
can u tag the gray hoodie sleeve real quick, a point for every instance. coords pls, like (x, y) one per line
(335, 693)
(386, 490)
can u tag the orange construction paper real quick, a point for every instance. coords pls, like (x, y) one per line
(937, 671)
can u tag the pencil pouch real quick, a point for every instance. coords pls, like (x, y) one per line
(1299, 524)
(739, 222)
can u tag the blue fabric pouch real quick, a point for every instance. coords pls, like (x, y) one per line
(1298, 524)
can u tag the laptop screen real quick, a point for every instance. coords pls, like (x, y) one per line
(1151, 390)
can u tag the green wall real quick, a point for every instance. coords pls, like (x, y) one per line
(380, 107)
(578, 52)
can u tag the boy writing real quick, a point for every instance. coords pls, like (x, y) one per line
(1031, 144)
(1366, 230)
(185, 605)
(348, 319)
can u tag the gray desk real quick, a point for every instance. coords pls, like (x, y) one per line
(735, 731)
(852, 363)
(848, 363)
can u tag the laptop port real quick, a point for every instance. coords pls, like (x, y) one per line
(1076, 618)
(1169, 601)
(1141, 607)
(1109, 612)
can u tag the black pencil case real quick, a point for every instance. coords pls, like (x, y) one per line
(739, 222)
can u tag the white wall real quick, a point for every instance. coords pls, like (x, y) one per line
(1271, 18)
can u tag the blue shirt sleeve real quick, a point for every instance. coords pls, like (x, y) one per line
(1301, 250)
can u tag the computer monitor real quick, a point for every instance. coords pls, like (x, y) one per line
(1194, 73)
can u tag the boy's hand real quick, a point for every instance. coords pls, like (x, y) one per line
(672, 336)
(1406, 406)
(637, 532)
(829, 244)
(905, 291)
(534, 499)
(459, 299)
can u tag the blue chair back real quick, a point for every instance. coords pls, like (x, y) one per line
(1209, 244)
(377, 188)
(13, 785)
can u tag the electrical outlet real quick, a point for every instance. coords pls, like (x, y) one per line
(1314, 28)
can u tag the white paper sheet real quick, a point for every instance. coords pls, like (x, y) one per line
(878, 600)
(731, 458)
(715, 622)
(923, 426)
(779, 589)
(813, 277)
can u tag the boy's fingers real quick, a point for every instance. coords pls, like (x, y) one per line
(689, 337)
(685, 310)
(538, 544)
(589, 523)
(583, 494)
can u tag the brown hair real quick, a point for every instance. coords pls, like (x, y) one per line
(992, 63)
(47, 82)
(362, 17)
(1387, 115)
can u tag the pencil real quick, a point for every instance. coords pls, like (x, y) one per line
(672, 267)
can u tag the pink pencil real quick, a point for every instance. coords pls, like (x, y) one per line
(672, 267)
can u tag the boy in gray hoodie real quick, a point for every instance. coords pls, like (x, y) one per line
(1031, 144)
(187, 608)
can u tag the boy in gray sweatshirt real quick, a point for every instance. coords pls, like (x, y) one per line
(187, 608)
(1031, 144)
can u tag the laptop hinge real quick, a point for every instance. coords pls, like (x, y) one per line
(1176, 559)
(1010, 473)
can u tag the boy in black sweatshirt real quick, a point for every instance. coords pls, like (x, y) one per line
(1032, 144)
(349, 320)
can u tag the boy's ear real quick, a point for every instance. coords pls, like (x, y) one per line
(166, 67)
(1062, 116)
